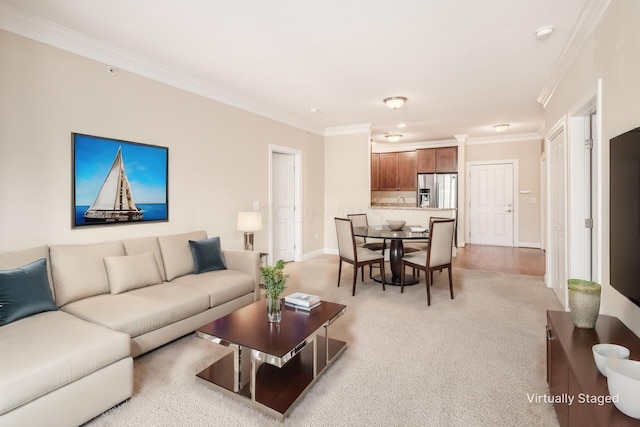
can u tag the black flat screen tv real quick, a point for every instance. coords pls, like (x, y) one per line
(625, 214)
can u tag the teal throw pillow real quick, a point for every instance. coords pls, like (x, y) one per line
(207, 255)
(25, 291)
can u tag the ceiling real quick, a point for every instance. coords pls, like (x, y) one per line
(325, 66)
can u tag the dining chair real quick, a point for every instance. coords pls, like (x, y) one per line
(421, 245)
(436, 257)
(350, 253)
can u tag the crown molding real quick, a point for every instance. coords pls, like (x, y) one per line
(589, 18)
(348, 130)
(30, 26)
(518, 137)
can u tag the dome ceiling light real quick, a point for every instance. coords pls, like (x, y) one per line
(393, 137)
(395, 102)
(544, 32)
(501, 127)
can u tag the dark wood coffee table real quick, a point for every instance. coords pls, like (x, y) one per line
(272, 366)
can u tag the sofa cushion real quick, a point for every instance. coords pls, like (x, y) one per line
(221, 285)
(46, 351)
(176, 253)
(25, 291)
(207, 255)
(145, 244)
(141, 310)
(131, 272)
(79, 271)
(15, 259)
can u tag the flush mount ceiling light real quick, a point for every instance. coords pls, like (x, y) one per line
(544, 32)
(501, 127)
(395, 102)
(393, 137)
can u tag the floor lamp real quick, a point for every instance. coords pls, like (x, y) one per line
(249, 222)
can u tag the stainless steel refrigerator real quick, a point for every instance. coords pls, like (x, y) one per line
(438, 190)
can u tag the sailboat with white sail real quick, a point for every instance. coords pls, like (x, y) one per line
(114, 202)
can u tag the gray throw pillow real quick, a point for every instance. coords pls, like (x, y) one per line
(25, 291)
(207, 255)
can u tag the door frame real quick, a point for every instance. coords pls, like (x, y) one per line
(516, 207)
(579, 116)
(559, 127)
(297, 161)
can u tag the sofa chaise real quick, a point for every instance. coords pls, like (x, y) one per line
(67, 360)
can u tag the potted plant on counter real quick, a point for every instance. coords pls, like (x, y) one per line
(274, 281)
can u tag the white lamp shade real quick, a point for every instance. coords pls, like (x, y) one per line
(249, 221)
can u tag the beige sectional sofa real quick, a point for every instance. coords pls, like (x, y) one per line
(116, 300)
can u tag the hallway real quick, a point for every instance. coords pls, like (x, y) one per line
(528, 261)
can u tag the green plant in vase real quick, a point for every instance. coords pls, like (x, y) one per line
(275, 282)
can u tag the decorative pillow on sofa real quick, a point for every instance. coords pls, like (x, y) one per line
(207, 255)
(132, 271)
(25, 291)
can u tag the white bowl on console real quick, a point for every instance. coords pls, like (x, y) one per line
(623, 380)
(602, 351)
(396, 225)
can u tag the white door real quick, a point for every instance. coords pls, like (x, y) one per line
(557, 217)
(491, 208)
(283, 207)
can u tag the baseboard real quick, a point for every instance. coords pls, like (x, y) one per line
(310, 255)
(529, 245)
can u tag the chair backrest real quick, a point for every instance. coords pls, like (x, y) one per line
(359, 220)
(440, 241)
(346, 241)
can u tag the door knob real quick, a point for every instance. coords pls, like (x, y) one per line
(508, 210)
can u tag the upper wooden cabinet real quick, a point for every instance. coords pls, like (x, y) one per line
(394, 171)
(375, 171)
(388, 171)
(432, 160)
(407, 170)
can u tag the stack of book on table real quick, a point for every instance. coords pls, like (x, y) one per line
(302, 301)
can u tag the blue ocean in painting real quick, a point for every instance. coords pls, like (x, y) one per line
(151, 211)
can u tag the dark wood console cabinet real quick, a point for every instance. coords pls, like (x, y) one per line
(571, 370)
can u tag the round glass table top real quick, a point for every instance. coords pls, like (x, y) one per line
(408, 232)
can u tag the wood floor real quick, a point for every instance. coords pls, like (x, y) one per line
(502, 259)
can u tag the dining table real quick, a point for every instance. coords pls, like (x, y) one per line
(396, 247)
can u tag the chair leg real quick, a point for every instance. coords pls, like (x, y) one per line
(402, 279)
(428, 275)
(362, 272)
(339, 271)
(450, 282)
(355, 279)
(382, 274)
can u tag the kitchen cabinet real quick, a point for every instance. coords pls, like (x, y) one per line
(407, 171)
(388, 171)
(375, 171)
(394, 171)
(430, 160)
(572, 372)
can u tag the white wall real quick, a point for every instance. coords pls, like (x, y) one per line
(612, 54)
(218, 155)
(346, 179)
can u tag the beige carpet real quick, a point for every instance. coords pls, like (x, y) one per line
(471, 361)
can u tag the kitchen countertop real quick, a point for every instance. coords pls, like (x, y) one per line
(404, 206)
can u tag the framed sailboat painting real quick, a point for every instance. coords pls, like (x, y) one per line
(118, 182)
